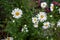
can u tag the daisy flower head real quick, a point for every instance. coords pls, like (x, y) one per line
(34, 19)
(17, 13)
(58, 23)
(51, 7)
(43, 5)
(46, 25)
(42, 16)
(36, 25)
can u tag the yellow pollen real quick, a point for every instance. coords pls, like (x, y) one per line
(17, 13)
(8, 38)
(46, 25)
(52, 7)
(41, 16)
(34, 19)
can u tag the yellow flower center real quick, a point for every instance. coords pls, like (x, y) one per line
(43, 4)
(8, 38)
(46, 25)
(17, 13)
(41, 16)
(34, 19)
(52, 7)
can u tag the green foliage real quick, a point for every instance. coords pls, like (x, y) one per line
(28, 8)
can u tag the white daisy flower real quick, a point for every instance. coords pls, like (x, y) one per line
(42, 16)
(34, 19)
(51, 7)
(58, 23)
(36, 25)
(46, 25)
(43, 5)
(17, 13)
(59, 10)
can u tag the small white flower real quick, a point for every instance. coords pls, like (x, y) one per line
(36, 25)
(51, 7)
(34, 19)
(43, 5)
(58, 23)
(25, 25)
(51, 16)
(27, 30)
(59, 10)
(42, 16)
(17, 13)
(24, 29)
(46, 25)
